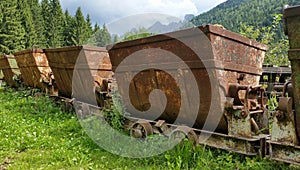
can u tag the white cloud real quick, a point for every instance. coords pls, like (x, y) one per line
(205, 5)
(107, 10)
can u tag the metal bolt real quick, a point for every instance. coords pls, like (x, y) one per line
(243, 114)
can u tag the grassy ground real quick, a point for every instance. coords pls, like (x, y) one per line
(36, 134)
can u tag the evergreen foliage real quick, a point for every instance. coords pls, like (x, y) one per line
(256, 19)
(232, 13)
(79, 26)
(45, 6)
(42, 23)
(115, 39)
(38, 23)
(101, 37)
(96, 28)
(88, 28)
(27, 23)
(68, 31)
(54, 24)
(277, 45)
(11, 29)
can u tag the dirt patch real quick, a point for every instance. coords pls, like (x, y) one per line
(6, 163)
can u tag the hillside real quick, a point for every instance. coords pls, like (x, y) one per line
(232, 13)
(159, 28)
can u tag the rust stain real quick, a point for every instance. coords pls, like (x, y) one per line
(34, 68)
(10, 71)
(237, 54)
(94, 62)
(292, 25)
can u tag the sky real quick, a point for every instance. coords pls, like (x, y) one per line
(116, 13)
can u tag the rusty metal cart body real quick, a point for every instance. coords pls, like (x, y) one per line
(10, 70)
(284, 144)
(233, 61)
(35, 70)
(63, 62)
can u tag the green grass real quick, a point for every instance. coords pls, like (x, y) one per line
(36, 134)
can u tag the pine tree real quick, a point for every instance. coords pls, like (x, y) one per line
(54, 21)
(116, 39)
(27, 23)
(79, 28)
(38, 23)
(92, 39)
(57, 22)
(68, 30)
(45, 6)
(11, 30)
(89, 28)
(96, 28)
(104, 38)
(101, 37)
(1, 14)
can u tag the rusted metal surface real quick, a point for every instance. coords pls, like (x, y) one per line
(10, 70)
(34, 68)
(284, 153)
(246, 112)
(240, 57)
(284, 128)
(141, 129)
(292, 25)
(292, 28)
(184, 132)
(93, 60)
(248, 146)
(284, 141)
